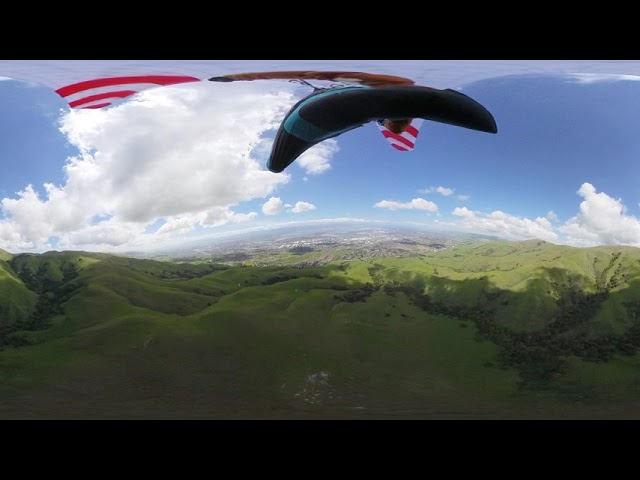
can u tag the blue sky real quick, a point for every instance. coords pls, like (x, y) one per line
(177, 162)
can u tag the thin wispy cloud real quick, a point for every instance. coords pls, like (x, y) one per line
(602, 77)
(445, 192)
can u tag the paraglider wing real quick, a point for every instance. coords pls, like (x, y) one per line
(332, 112)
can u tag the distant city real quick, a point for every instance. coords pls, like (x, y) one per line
(329, 241)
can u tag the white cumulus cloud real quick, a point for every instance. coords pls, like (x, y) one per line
(506, 226)
(185, 155)
(316, 160)
(303, 207)
(601, 221)
(462, 212)
(415, 204)
(273, 206)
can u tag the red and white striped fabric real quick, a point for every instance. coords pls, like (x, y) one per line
(102, 92)
(406, 140)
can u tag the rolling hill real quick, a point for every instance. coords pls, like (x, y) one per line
(16, 300)
(487, 329)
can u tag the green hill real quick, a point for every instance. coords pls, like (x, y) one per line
(16, 300)
(4, 256)
(485, 330)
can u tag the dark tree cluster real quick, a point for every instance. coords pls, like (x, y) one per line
(540, 355)
(357, 295)
(52, 294)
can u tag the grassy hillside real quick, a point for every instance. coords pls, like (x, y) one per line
(4, 255)
(16, 300)
(486, 330)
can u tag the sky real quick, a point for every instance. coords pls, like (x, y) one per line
(180, 162)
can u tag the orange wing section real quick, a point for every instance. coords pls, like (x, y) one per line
(361, 78)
